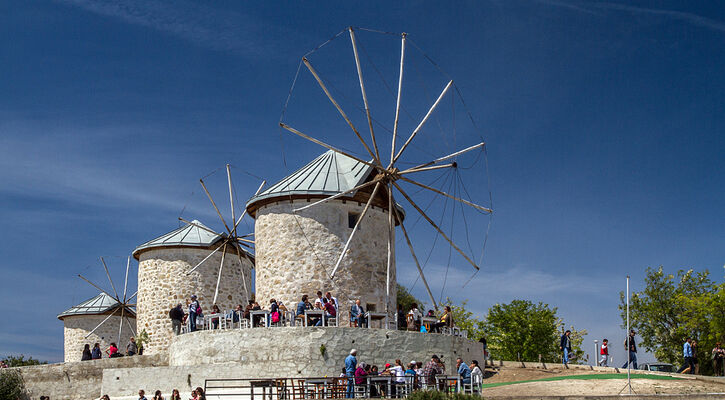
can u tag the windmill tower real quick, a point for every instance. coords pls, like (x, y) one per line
(96, 320)
(294, 248)
(180, 263)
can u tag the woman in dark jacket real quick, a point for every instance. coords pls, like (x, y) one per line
(86, 353)
(96, 353)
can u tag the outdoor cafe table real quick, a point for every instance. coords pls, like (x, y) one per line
(263, 313)
(382, 381)
(321, 386)
(209, 320)
(264, 384)
(313, 313)
(372, 316)
(428, 322)
(446, 383)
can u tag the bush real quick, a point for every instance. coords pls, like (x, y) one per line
(11, 385)
(436, 395)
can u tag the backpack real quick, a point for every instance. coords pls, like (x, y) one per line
(275, 317)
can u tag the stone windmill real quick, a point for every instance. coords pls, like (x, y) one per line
(343, 209)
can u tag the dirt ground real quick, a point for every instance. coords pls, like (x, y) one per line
(590, 386)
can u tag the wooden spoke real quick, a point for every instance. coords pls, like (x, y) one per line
(364, 95)
(476, 206)
(244, 278)
(131, 297)
(245, 210)
(205, 258)
(133, 332)
(448, 157)
(397, 102)
(203, 228)
(430, 111)
(327, 146)
(391, 248)
(412, 252)
(339, 109)
(219, 276)
(408, 171)
(246, 240)
(430, 221)
(96, 286)
(231, 200)
(214, 204)
(354, 229)
(125, 281)
(102, 322)
(356, 188)
(120, 324)
(109, 277)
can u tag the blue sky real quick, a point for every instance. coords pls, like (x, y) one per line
(603, 121)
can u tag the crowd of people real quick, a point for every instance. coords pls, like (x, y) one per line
(196, 394)
(414, 374)
(95, 353)
(411, 320)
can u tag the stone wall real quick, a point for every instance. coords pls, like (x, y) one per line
(76, 327)
(163, 282)
(79, 380)
(281, 352)
(295, 257)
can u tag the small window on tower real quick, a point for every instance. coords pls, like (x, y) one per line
(352, 219)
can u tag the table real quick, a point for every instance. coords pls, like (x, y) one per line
(321, 385)
(264, 384)
(379, 381)
(263, 313)
(310, 313)
(379, 316)
(448, 382)
(209, 321)
(428, 322)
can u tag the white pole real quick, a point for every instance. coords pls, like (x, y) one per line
(629, 361)
(596, 356)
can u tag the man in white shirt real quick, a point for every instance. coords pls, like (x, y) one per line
(318, 300)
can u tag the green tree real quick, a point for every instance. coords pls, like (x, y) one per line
(406, 299)
(21, 361)
(526, 330)
(12, 386)
(674, 307)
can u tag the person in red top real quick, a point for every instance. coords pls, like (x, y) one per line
(604, 353)
(113, 351)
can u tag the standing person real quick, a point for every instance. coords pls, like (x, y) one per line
(274, 314)
(96, 352)
(350, 367)
(416, 316)
(141, 395)
(604, 353)
(177, 317)
(463, 371)
(356, 314)
(631, 347)
(717, 355)
(194, 311)
(86, 356)
(695, 370)
(131, 348)
(402, 325)
(688, 365)
(565, 346)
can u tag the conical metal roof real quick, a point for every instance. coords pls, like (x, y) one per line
(101, 304)
(329, 174)
(187, 236)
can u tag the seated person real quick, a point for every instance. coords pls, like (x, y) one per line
(330, 311)
(445, 320)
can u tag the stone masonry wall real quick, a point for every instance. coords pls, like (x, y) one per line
(76, 327)
(79, 380)
(292, 261)
(281, 352)
(163, 282)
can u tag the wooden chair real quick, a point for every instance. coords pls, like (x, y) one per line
(298, 389)
(282, 390)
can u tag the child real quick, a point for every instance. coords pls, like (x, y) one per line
(604, 353)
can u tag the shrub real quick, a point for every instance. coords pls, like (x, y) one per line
(436, 395)
(11, 385)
